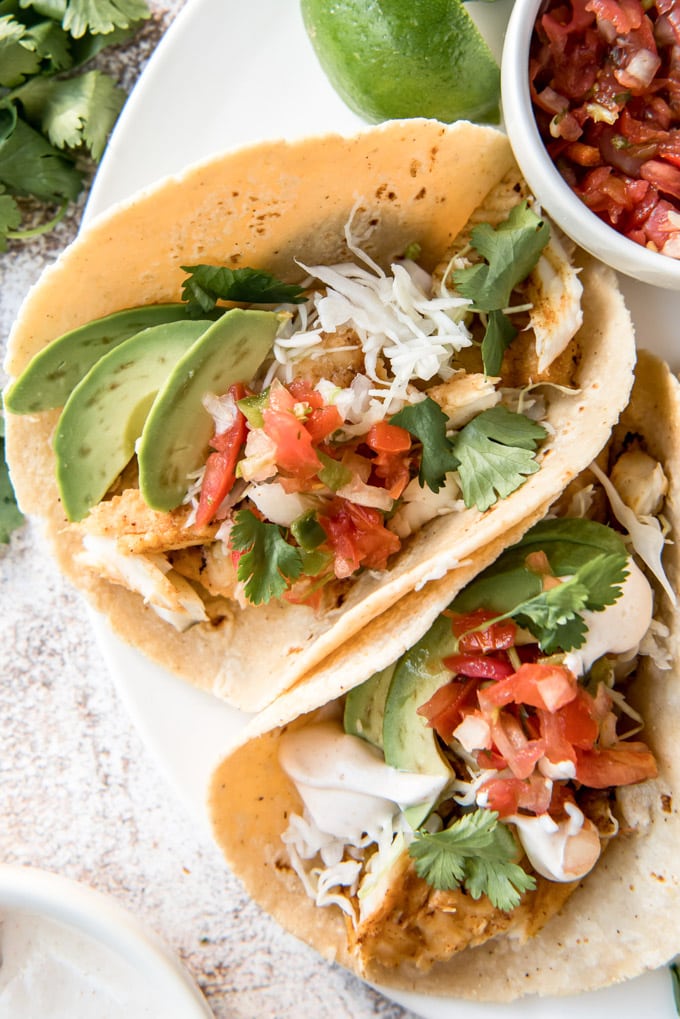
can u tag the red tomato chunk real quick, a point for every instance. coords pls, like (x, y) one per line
(605, 83)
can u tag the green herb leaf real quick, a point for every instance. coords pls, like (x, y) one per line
(500, 332)
(427, 422)
(476, 852)
(268, 562)
(29, 165)
(511, 251)
(102, 16)
(553, 616)
(10, 515)
(208, 284)
(10, 217)
(18, 57)
(496, 453)
(74, 111)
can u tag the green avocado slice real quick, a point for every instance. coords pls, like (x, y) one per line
(178, 430)
(365, 707)
(104, 415)
(408, 742)
(51, 376)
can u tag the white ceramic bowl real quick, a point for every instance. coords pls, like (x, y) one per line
(554, 194)
(71, 941)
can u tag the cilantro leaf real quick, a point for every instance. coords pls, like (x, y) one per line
(74, 111)
(53, 45)
(511, 251)
(500, 332)
(29, 165)
(18, 57)
(496, 452)
(268, 562)
(553, 616)
(427, 422)
(208, 284)
(101, 16)
(10, 217)
(10, 514)
(476, 852)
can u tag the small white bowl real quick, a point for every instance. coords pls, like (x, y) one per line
(545, 181)
(66, 942)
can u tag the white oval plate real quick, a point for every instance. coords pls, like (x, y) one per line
(254, 75)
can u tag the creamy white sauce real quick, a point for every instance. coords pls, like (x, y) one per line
(618, 628)
(344, 782)
(560, 851)
(557, 769)
(50, 970)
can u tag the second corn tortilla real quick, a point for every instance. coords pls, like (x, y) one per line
(623, 918)
(265, 206)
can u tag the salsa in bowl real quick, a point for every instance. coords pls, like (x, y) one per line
(589, 106)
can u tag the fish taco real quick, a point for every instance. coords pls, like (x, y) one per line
(259, 403)
(495, 811)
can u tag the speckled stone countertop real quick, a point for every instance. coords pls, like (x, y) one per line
(79, 792)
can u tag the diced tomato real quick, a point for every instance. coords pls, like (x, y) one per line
(540, 686)
(479, 666)
(220, 467)
(520, 753)
(444, 710)
(502, 794)
(622, 764)
(386, 438)
(322, 422)
(473, 638)
(573, 725)
(302, 391)
(357, 536)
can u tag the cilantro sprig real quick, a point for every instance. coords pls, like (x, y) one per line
(477, 853)
(208, 284)
(510, 252)
(268, 563)
(493, 454)
(51, 112)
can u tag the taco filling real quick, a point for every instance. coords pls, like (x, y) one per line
(464, 791)
(381, 401)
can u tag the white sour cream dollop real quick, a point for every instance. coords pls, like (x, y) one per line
(618, 628)
(344, 782)
(560, 851)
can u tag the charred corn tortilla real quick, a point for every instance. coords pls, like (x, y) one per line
(608, 929)
(264, 207)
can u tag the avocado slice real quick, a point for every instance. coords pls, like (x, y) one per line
(104, 415)
(51, 376)
(408, 742)
(178, 429)
(365, 707)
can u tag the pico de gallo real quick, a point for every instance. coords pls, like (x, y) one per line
(605, 87)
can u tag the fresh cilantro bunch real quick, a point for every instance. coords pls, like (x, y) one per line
(510, 252)
(477, 853)
(52, 113)
(493, 453)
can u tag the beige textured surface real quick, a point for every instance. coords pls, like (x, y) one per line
(80, 794)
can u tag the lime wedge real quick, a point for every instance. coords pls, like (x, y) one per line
(389, 59)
